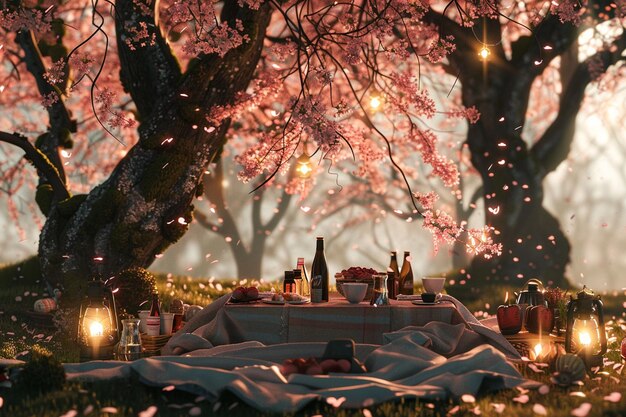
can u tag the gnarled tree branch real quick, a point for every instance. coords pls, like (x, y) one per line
(40, 161)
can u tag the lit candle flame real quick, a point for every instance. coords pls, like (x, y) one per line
(538, 349)
(506, 297)
(585, 338)
(96, 329)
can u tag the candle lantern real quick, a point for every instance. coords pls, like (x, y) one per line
(585, 334)
(97, 324)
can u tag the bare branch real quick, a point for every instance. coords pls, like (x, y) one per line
(43, 165)
(61, 125)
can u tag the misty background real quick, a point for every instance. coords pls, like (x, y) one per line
(587, 194)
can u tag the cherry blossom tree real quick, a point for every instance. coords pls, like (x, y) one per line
(287, 79)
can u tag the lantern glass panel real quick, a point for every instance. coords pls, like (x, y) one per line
(97, 323)
(586, 336)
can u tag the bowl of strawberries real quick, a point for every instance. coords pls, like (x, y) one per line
(357, 274)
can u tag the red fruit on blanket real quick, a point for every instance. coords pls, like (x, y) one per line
(245, 293)
(252, 293)
(344, 365)
(288, 368)
(239, 294)
(315, 370)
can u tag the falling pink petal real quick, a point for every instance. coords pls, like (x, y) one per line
(110, 410)
(582, 411)
(367, 413)
(498, 407)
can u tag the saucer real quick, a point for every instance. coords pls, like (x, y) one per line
(424, 303)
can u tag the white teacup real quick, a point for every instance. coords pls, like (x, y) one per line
(433, 284)
(354, 291)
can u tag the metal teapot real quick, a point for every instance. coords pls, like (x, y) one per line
(533, 294)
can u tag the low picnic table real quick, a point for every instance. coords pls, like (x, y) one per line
(337, 319)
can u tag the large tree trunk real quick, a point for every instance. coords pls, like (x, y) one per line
(145, 205)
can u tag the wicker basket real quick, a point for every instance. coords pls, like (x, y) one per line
(152, 344)
(523, 342)
(369, 281)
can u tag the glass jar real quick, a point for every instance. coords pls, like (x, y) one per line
(129, 347)
(380, 295)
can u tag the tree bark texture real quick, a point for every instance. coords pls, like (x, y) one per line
(146, 203)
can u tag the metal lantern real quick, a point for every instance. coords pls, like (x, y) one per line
(585, 334)
(97, 324)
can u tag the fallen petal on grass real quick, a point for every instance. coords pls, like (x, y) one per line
(498, 407)
(613, 397)
(544, 389)
(522, 399)
(540, 409)
(148, 412)
(582, 411)
(468, 398)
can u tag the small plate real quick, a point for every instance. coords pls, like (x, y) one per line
(250, 300)
(277, 302)
(424, 303)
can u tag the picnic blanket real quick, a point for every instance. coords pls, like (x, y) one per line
(434, 362)
(401, 368)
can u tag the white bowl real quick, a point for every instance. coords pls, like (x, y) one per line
(354, 291)
(433, 284)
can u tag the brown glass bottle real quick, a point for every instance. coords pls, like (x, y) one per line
(393, 276)
(406, 275)
(319, 274)
(155, 310)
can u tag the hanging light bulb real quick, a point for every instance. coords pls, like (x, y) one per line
(304, 168)
(484, 53)
(376, 101)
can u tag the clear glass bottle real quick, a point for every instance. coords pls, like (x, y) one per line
(393, 276)
(129, 347)
(306, 289)
(380, 297)
(406, 275)
(319, 274)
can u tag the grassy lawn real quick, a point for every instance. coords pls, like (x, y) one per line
(19, 288)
